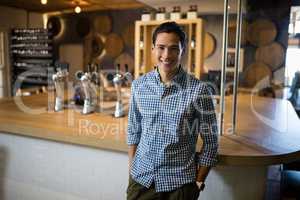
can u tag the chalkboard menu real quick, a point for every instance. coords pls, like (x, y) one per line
(31, 57)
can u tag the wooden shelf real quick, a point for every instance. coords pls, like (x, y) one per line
(34, 55)
(33, 47)
(179, 21)
(29, 41)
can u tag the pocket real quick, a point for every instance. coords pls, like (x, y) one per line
(191, 191)
(133, 185)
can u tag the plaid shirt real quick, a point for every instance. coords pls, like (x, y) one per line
(164, 122)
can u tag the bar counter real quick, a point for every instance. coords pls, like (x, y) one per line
(267, 134)
(34, 119)
(270, 136)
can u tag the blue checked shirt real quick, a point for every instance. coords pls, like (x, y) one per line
(164, 122)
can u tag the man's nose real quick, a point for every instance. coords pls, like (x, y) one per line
(166, 53)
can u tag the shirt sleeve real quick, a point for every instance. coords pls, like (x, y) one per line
(134, 119)
(208, 128)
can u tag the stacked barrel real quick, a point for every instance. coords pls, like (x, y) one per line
(101, 43)
(269, 54)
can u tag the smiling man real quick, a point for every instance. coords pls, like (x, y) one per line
(169, 109)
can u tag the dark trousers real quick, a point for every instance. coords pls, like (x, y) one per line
(136, 191)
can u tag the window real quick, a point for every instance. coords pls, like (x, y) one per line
(293, 50)
(294, 26)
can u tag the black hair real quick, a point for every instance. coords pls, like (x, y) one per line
(170, 27)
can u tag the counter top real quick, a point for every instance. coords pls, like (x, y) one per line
(267, 131)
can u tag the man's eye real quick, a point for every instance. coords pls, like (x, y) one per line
(161, 48)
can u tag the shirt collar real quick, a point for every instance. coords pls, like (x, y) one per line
(175, 79)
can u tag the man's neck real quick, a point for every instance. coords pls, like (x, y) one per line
(166, 78)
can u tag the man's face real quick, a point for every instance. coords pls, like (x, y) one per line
(167, 51)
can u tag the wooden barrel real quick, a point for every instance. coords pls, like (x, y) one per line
(128, 35)
(54, 25)
(83, 27)
(97, 45)
(93, 47)
(272, 55)
(113, 45)
(261, 32)
(102, 24)
(209, 44)
(256, 72)
(278, 76)
(232, 33)
(124, 59)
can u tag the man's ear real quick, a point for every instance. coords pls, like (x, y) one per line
(183, 51)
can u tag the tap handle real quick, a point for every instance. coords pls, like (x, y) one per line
(94, 77)
(128, 78)
(98, 68)
(118, 68)
(126, 67)
(94, 67)
(88, 67)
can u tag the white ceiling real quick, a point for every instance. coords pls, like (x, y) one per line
(204, 6)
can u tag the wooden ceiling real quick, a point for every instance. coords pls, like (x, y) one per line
(61, 5)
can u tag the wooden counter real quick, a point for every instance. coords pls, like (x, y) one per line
(267, 133)
(36, 120)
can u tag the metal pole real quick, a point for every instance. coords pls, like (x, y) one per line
(224, 65)
(237, 62)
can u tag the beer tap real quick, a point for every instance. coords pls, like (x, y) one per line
(127, 76)
(89, 102)
(95, 74)
(78, 93)
(118, 80)
(97, 87)
(59, 81)
(90, 92)
(86, 92)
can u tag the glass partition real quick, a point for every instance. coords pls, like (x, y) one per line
(249, 64)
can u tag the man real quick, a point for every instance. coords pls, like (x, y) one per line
(167, 111)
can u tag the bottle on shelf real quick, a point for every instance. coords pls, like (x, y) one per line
(147, 15)
(161, 14)
(192, 13)
(176, 14)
